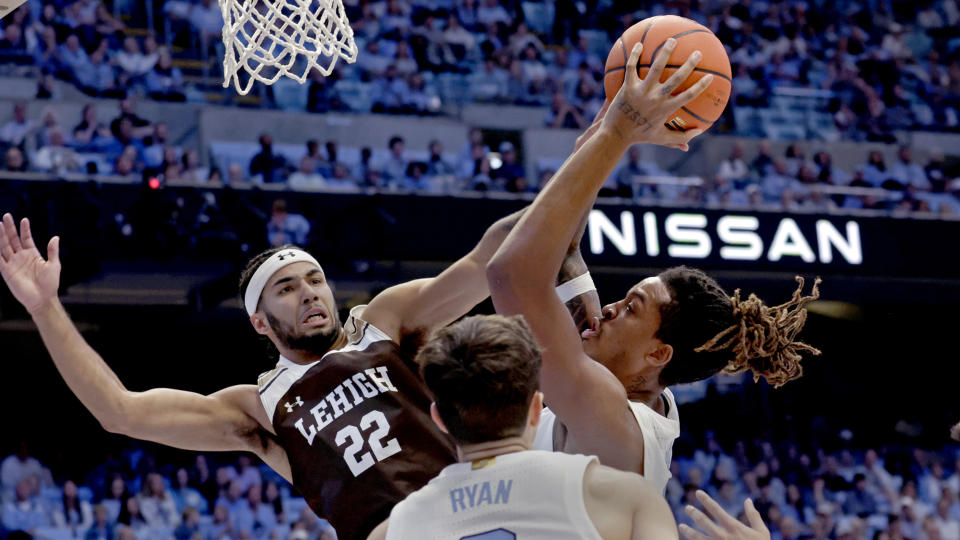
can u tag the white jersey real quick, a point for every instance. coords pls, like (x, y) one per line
(659, 432)
(529, 495)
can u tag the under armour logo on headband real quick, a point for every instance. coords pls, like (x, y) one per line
(287, 254)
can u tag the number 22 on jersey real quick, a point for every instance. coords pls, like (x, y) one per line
(357, 461)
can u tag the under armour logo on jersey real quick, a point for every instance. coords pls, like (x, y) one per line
(289, 405)
(283, 256)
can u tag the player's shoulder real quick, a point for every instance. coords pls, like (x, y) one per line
(602, 483)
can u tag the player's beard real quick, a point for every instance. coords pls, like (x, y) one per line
(318, 343)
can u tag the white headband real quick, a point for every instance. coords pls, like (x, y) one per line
(267, 269)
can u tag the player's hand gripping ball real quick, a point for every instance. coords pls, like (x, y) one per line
(691, 36)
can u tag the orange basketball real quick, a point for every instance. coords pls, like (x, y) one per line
(691, 36)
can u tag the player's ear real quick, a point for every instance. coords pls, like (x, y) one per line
(536, 408)
(661, 355)
(259, 322)
(435, 415)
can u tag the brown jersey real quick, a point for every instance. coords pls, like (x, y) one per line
(356, 428)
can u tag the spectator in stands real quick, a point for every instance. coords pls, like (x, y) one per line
(71, 512)
(414, 178)
(437, 165)
(19, 128)
(491, 12)
(371, 62)
(21, 464)
(283, 228)
(97, 78)
(733, 167)
(306, 175)
(510, 170)
(133, 64)
(563, 114)
(235, 175)
(309, 526)
(156, 504)
(25, 512)
(140, 127)
(421, 99)
(267, 164)
(221, 528)
(763, 160)
(860, 502)
(13, 46)
(272, 498)
(190, 169)
(467, 15)
(202, 478)
(103, 527)
(488, 83)
(186, 496)
(189, 528)
(907, 173)
(403, 61)
(46, 52)
(56, 157)
(14, 162)
(73, 57)
(247, 474)
(461, 42)
(165, 81)
(254, 517)
(206, 19)
(875, 171)
(155, 145)
(90, 135)
(935, 172)
(623, 181)
(391, 94)
(776, 181)
(341, 181)
(117, 495)
(394, 168)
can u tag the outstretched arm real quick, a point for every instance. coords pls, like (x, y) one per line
(584, 394)
(231, 419)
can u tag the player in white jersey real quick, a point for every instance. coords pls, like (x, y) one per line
(484, 373)
(607, 384)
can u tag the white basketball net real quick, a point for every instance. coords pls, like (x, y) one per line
(269, 39)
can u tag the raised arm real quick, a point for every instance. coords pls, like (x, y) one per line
(424, 304)
(231, 419)
(584, 394)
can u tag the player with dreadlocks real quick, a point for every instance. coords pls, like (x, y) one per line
(606, 386)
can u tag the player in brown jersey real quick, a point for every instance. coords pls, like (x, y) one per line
(344, 416)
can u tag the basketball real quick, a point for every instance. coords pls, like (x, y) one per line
(691, 36)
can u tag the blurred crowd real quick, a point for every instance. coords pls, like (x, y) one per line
(807, 492)
(885, 65)
(803, 178)
(136, 498)
(802, 491)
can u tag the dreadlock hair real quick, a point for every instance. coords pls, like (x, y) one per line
(712, 332)
(483, 372)
(247, 274)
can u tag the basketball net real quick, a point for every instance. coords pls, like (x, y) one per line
(269, 39)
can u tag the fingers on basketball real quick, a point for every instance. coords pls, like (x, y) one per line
(703, 105)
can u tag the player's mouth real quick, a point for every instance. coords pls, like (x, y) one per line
(593, 331)
(315, 318)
